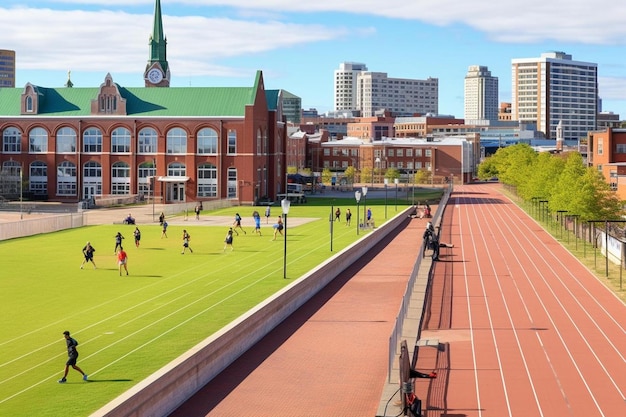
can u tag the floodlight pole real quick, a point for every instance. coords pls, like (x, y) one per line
(285, 204)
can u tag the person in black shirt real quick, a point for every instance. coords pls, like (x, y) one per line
(88, 251)
(72, 355)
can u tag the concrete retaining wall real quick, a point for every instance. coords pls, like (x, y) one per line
(165, 390)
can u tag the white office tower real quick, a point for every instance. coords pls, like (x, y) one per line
(345, 85)
(403, 97)
(481, 94)
(554, 88)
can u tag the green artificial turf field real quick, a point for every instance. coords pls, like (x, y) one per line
(130, 326)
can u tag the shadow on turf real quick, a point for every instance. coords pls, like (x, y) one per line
(209, 396)
(109, 380)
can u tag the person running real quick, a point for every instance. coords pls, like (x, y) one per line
(197, 210)
(338, 215)
(137, 234)
(88, 251)
(186, 246)
(161, 218)
(268, 213)
(228, 240)
(348, 217)
(257, 222)
(122, 261)
(118, 242)
(164, 232)
(369, 215)
(237, 224)
(278, 227)
(72, 357)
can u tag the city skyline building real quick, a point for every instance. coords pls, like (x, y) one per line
(552, 89)
(481, 94)
(7, 68)
(345, 85)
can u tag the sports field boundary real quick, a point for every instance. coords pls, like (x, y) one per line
(166, 389)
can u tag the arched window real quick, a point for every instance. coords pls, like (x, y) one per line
(207, 141)
(12, 178)
(176, 169)
(120, 140)
(207, 180)
(38, 140)
(66, 179)
(11, 140)
(66, 140)
(38, 178)
(92, 140)
(176, 141)
(147, 141)
(120, 178)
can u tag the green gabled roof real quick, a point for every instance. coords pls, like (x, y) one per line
(140, 101)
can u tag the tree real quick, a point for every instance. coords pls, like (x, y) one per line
(292, 170)
(326, 175)
(392, 174)
(422, 176)
(349, 173)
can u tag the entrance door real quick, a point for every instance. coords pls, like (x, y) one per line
(176, 192)
(89, 191)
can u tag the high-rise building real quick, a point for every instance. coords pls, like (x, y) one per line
(399, 96)
(7, 68)
(554, 88)
(345, 85)
(481, 94)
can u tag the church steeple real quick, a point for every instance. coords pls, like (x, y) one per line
(157, 73)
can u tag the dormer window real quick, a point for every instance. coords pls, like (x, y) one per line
(29, 104)
(109, 100)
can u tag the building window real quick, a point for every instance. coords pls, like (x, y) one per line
(120, 178)
(207, 141)
(66, 179)
(232, 142)
(147, 141)
(621, 148)
(120, 140)
(66, 140)
(29, 104)
(92, 140)
(92, 179)
(600, 146)
(38, 178)
(11, 140)
(207, 180)
(176, 169)
(11, 178)
(176, 141)
(38, 140)
(145, 177)
(232, 183)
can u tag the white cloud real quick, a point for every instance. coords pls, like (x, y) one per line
(77, 43)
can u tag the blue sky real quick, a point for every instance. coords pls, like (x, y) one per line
(298, 45)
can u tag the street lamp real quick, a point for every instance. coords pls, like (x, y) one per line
(386, 182)
(364, 191)
(153, 186)
(357, 196)
(373, 170)
(331, 220)
(396, 181)
(285, 204)
(21, 199)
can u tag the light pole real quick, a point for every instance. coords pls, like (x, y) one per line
(285, 204)
(386, 182)
(357, 196)
(364, 191)
(396, 181)
(377, 162)
(21, 199)
(331, 220)
(153, 186)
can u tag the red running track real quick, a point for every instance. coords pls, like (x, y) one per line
(525, 329)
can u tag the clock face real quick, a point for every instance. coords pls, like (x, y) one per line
(155, 76)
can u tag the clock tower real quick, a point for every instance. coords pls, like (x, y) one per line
(157, 72)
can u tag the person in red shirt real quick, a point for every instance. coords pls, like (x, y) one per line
(122, 260)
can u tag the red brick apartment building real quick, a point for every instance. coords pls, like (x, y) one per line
(179, 144)
(607, 153)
